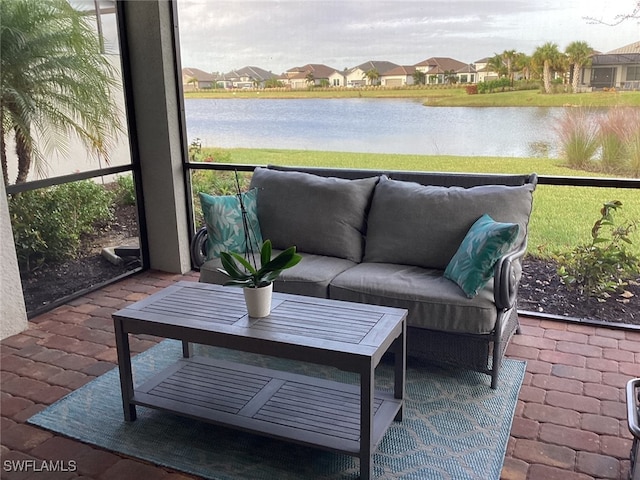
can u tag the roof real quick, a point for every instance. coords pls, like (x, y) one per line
(629, 54)
(318, 71)
(631, 48)
(442, 64)
(255, 73)
(616, 59)
(407, 70)
(199, 75)
(382, 67)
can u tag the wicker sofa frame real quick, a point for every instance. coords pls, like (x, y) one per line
(479, 352)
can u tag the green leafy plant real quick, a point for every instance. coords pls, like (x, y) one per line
(125, 192)
(245, 274)
(48, 224)
(604, 265)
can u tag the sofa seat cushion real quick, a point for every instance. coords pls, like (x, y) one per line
(413, 224)
(309, 277)
(433, 301)
(318, 215)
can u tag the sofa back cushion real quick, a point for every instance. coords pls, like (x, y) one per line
(419, 225)
(319, 215)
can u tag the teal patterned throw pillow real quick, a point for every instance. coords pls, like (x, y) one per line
(486, 241)
(223, 217)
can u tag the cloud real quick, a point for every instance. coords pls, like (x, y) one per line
(280, 34)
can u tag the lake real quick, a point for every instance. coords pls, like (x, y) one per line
(372, 126)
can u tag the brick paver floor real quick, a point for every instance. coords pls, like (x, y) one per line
(570, 422)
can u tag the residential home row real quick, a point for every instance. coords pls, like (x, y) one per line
(619, 68)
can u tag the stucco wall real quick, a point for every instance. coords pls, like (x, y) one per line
(13, 315)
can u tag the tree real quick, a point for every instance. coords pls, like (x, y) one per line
(54, 83)
(310, 79)
(579, 55)
(419, 77)
(450, 77)
(523, 64)
(509, 60)
(372, 76)
(618, 19)
(496, 64)
(550, 58)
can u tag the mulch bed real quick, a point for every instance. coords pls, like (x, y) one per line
(541, 290)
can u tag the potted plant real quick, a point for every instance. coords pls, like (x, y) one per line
(257, 282)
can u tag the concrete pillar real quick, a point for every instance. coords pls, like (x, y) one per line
(156, 127)
(13, 314)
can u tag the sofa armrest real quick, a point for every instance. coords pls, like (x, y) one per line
(505, 283)
(198, 247)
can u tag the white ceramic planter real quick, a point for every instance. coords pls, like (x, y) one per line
(258, 300)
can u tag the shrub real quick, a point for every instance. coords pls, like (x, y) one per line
(578, 138)
(614, 130)
(215, 183)
(48, 224)
(604, 265)
(633, 149)
(125, 192)
(471, 89)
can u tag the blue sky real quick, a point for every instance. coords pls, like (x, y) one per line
(280, 34)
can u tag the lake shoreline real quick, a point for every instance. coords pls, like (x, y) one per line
(443, 96)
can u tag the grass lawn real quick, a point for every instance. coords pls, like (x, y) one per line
(562, 216)
(442, 96)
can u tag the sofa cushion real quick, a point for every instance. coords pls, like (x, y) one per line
(319, 215)
(223, 217)
(419, 225)
(486, 241)
(433, 302)
(309, 277)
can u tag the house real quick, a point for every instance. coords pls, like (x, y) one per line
(308, 75)
(358, 76)
(484, 73)
(247, 77)
(196, 79)
(440, 69)
(398, 77)
(619, 68)
(338, 79)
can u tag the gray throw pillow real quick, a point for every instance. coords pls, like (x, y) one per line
(319, 215)
(419, 225)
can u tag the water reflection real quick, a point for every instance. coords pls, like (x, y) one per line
(373, 126)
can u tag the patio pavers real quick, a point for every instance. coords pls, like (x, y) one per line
(570, 422)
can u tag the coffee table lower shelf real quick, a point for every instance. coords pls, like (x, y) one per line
(298, 408)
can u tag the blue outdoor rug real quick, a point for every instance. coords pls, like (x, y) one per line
(454, 426)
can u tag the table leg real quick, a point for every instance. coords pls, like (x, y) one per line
(187, 349)
(400, 364)
(367, 384)
(126, 372)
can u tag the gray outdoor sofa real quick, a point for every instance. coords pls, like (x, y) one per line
(386, 238)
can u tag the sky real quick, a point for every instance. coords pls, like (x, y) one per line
(277, 35)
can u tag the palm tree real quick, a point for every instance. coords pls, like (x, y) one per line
(509, 60)
(372, 75)
(523, 64)
(54, 83)
(419, 77)
(550, 58)
(450, 76)
(579, 54)
(310, 78)
(496, 64)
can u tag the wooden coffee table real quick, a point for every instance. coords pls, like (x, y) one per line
(350, 336)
